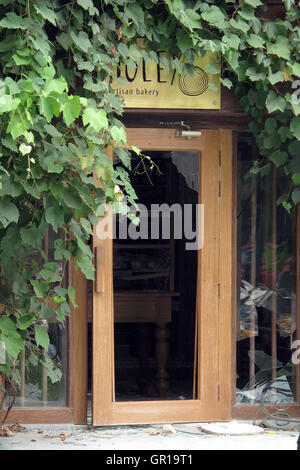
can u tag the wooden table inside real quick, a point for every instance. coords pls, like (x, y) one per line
(148, 307)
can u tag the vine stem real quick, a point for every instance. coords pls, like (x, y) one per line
(13, 388)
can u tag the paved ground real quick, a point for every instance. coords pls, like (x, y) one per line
(135, 438)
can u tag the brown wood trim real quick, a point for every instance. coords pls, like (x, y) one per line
(234, 265)
(103, 331)
(156, 139)
(225, 279)
(40, 416)
(209, 119)
(146, 412)
(78, 347)
(230, 116)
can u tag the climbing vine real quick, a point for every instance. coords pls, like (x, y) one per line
(58, 114)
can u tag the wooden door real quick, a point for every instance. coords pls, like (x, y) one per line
(213, 298)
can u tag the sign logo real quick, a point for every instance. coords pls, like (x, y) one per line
(193, 85)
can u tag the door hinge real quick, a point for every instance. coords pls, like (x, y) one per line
(219, 291)
(218, 392)
(219, 188)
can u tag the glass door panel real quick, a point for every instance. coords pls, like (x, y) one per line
(155, 280)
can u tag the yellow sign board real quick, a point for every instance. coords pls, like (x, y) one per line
(151, 85)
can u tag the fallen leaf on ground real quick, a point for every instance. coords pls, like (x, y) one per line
(16, 428)
(63, 436)
(168, 429)
(5, 432)
(153, 432)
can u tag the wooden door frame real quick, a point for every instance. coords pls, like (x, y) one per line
(215, 276)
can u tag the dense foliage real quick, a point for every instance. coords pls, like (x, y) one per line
(58, 114)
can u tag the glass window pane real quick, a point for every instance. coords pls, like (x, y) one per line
(266, 278)
(36, 387)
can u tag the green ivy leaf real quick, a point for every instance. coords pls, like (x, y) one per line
(281, 47)
(184, 40)
(8, 103)
(46, 12)
(254, 3)
(21, 60)
(255, 75)
(271, 125)
(7, 325)
(9, 212)
(276, 77)
(294, 164)
(57, 85)
(232, 40)
(53, 371)
(270, 28)
(40, 288)
(55, 217)
(279, 158)
(42, 337)
(49, 107)
(239, 24)
(296, 179)
(16, 127)
(25, 149)
(71, 294)
(13, 343)
(71, 198)
(9, 188)
(295, 127)
(119, 134)
(81, 40)
(71, 110)
(295, 69)
(275, 102)
(255, 41)
(25, 321)
(95, 118)
(13, 21)
(85, 4)
(86, 267)
(215, 17)
(296, 196)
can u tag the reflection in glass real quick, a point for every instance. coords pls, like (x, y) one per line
(155, 282)
(266, 273)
